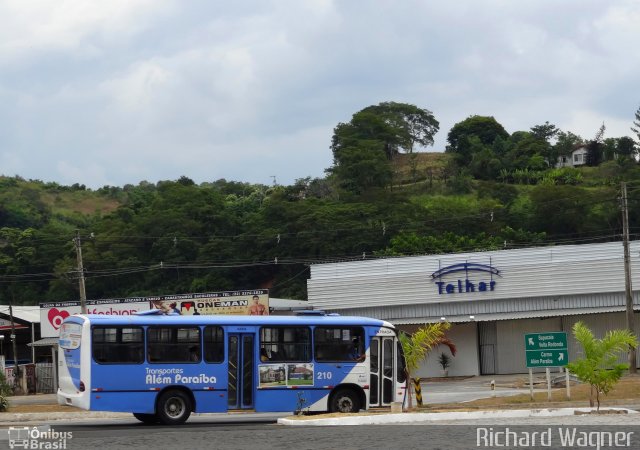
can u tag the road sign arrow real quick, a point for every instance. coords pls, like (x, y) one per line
(561, 357)
(531, 342)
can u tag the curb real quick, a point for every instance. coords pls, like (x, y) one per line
(380, 419)
(52, 416)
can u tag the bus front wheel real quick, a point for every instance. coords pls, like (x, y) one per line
(147, 419)
(174, 407)
(345, 401)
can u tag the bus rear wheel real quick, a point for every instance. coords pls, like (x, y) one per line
(345, 401)
(173, 408)
(147, 419)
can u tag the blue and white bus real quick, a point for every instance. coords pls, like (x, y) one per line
(163, 368)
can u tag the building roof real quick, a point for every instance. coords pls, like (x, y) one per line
(285, 303)
(509, 315)
(44, 342)
(25, 313)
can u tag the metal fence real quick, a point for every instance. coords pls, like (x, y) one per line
(45, 383)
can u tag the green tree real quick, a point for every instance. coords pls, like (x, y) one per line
(484, 164)
(5, 391)
(599, 366)
(609, 149)
(626, 147)
(398, 126)
(525, 151)
(569, 209)
(595, 148)
(384, 129)
(363, 167)
(545, 132)
(486, 129)
(636, 128)
(416, 347)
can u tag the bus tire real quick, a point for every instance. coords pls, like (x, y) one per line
(173, 407)
(345, 400)
(147, 419)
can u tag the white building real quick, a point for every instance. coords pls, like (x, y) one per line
(578, 157)
(491, 298)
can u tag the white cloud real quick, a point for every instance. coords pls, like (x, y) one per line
(120, 91)
(29, 28)
(90, 171)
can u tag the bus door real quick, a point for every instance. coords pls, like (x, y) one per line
(382, 371)
(241, 370)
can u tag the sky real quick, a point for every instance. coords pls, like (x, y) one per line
(122, 91)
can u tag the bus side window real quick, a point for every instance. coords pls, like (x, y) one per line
(287, 343)
(340, 344)
(117, 344)
(213, 344)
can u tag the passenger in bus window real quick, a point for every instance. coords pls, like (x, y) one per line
(264, 357)
(194, 354)
(356, 353)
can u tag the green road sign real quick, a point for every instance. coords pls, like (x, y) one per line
(546, 349)
(547, 358)
(545, 341)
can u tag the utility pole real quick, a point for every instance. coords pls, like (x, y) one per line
(627, 274)
(83, 292)
(17, 389)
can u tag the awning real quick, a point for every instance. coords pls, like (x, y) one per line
(44, 342)
(26, 313)
(510, 315)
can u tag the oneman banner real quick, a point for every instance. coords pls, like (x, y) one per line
(250, 302)
(254, 303)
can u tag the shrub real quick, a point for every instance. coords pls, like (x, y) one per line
(599, 366)
(5, 391)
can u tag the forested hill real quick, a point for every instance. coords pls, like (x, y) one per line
(381, 198)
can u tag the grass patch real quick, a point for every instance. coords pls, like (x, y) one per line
(428, 165)
(627, 390)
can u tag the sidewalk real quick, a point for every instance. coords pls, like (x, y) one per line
(10, 419)
(408, 418)
(434, 391)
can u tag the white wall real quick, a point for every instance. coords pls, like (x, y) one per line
(600, 324)
(465, 363)
(524, 273)
(510, 349)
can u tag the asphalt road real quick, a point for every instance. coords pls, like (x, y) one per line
(465, 390)
(207, 434)
(432, 392)
(251, 431)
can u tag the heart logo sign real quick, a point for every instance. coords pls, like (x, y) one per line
(56, 317)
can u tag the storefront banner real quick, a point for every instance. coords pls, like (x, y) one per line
(52, 314)
(252, 302)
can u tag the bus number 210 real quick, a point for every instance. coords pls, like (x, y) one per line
(324, 375)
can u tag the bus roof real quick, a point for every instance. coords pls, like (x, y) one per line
(100, 319)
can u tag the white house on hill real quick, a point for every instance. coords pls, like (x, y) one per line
(578, 157)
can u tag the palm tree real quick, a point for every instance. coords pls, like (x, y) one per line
(599, 366)
(417, 346)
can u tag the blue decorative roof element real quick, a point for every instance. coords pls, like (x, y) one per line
(465, 267)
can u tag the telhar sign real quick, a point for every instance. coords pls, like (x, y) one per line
(465, 286)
